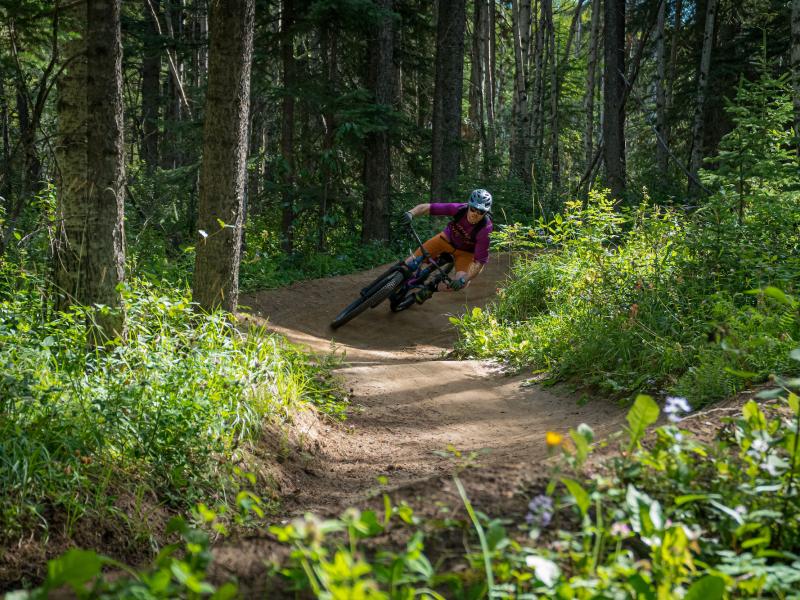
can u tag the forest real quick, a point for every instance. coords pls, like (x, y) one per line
(191, 190)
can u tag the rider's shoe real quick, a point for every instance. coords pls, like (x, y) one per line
(423, 295)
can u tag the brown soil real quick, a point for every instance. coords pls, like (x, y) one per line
(410, 402)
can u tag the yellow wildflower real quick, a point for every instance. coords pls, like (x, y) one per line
(554, 439)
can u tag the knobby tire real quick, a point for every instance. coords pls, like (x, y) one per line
(364, 302)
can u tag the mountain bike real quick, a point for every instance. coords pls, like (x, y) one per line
(401, 283)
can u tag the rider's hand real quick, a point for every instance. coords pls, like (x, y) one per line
(407, 217)
(457, 284)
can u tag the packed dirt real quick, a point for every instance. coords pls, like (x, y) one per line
(409, 403)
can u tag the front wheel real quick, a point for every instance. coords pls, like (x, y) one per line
(361, 304)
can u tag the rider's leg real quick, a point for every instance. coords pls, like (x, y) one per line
(434, 247)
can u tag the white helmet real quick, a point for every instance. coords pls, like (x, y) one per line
(480, 200)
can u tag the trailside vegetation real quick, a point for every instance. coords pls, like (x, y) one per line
(654, 297)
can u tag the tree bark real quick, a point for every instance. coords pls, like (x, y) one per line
(287, 126)
(377, 161)
(547, 9)
(696, 160)
(151, 100)
(475, 93)
(661, 94)
(448, 89)
(520, 116)
(591, 79)
(488, 43)
(105, 235)
(613, 98)
(222, 174)
(796, 69)
(673, 67)
(72, 203)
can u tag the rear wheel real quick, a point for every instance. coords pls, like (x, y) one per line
(361, 304)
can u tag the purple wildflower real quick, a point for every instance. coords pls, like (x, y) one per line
(675, 406)
(541, 511)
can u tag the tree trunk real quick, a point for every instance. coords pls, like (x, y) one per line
(661, 94)
(4, 124)
(547, 9)
(105, 160)
(796, 69)
(520, 116)
(328, 44)
(151, 77)
(673, 65)
(287, 126)
(72, 207)
(475, 93)
(489, 61)
(613, 99)
(222, 174)
(377, 161)
(696, 160)
(591, 79)
(448, 89)
(537, 99)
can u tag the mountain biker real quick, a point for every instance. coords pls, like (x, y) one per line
(466, 237)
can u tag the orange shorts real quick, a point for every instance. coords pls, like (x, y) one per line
(438, 244)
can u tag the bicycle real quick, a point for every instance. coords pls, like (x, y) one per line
(399, 283)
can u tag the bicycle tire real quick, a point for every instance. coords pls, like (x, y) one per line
(354, 309)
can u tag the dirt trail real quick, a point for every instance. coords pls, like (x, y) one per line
(409, 401)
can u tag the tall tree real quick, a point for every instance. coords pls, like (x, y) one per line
(796, 69)
(555, 166)
(151, 100)
(520, 115)
(488, 44)
(661, 93)
(591, 77)
(673, 72)
(105, 162)
(287, 125)
(696, 159)
(72, 205)
(377, 161)
(614, 97)
(222, 174)
(448, 89)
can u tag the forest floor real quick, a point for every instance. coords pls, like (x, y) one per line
(409, 403)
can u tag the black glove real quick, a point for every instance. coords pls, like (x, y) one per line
(406, 218)
(457, 284)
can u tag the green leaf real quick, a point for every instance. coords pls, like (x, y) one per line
(681, 500)
(577, 492)
(742, 374)
(75, 568)
(795, 354)
(226, 592)
(643, 414)
(710, 587)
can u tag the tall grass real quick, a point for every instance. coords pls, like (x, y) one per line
(160, 415)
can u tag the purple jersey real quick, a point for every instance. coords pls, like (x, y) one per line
(460, 233)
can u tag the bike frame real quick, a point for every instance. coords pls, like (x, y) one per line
(412, 275)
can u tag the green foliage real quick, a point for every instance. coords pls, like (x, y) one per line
(160, 415)
(648, 298)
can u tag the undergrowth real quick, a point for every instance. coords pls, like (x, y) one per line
(670, 514)
(164, 417)
(654, 298)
